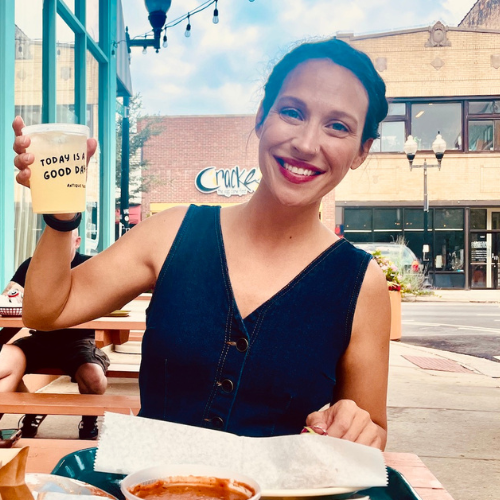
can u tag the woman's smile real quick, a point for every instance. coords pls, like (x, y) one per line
(297, 171)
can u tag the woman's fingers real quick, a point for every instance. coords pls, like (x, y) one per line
(18, 125)
(91, 147)
(23, 177)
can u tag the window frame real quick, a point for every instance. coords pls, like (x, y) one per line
(466, 118)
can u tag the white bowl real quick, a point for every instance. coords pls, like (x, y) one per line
(152, 474)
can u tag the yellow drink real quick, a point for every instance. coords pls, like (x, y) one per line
(59, 171)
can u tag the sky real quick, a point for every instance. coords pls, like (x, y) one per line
(222, 67)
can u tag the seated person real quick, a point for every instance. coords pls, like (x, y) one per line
(71, 350)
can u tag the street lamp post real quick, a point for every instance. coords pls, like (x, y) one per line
(410, 148)
(157, 16)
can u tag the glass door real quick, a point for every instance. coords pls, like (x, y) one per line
(495, 258)
(478, 259)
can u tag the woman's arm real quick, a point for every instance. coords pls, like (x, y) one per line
(359, 413)
(57, 296)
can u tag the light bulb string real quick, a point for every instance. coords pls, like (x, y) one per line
(205, 5)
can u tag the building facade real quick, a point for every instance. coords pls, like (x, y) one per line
(439, 79)
(60, 61)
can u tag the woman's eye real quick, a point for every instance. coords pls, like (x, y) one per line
(339, 127)
(290, 113)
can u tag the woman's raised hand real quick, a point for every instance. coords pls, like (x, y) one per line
(346, 420)
(23, 160)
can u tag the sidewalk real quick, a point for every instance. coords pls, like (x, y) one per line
(437, 295)
(451, 419)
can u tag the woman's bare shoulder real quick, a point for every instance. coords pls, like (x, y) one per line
(157, 233)
(373, 307)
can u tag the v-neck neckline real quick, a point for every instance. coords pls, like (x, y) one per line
(281, 291)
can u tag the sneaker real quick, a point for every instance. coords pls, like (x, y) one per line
(29, 425)
(87, 429)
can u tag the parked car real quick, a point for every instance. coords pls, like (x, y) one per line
(399, 254)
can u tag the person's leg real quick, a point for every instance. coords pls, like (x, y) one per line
(91, 379)
(12, 367)
(91, 364)
(16, 360)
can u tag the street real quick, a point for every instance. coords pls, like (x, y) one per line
(464, 328)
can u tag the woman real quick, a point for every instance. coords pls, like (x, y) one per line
(260, 314)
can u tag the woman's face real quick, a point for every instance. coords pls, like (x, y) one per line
(312, 134)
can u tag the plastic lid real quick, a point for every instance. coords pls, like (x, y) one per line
(69, 128)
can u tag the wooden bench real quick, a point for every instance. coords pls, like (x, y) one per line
(122, 370)
(67, 404)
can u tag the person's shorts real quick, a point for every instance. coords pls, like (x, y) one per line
(68, 356)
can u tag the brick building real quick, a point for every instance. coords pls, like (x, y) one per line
(438, 79)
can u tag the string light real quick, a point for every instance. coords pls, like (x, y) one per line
(215, 19)
(175, 22)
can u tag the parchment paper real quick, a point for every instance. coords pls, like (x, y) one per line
(128, 444)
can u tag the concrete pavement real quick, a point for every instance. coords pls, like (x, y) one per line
(450, 419)
(437, 295)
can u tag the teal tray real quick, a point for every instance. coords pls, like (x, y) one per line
(80, 465)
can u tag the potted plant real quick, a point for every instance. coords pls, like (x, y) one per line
(396, 287)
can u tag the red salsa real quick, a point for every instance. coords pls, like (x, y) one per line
(193, 488)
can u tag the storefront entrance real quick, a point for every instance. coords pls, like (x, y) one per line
(485, 255)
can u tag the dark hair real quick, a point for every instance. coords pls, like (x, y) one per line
(344, 55)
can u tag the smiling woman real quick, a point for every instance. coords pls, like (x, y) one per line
(260, 315)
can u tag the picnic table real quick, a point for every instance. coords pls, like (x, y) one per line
(44, 454)
(108, 330)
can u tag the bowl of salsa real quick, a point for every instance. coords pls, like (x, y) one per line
(189, 482)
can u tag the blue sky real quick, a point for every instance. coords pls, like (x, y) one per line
(221, 68)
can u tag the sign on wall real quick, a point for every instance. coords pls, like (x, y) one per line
(228, 182)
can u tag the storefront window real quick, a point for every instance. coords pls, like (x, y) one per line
(92, 13)
(93, 186)
(448, 239)
(430, 118)
(387, 218)
(448, 218)
(495, 220)
(478, 218)
(358, 219)
(414, 219)
(65, 73)
(28, 100)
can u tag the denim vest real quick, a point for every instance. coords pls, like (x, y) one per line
(203, 365)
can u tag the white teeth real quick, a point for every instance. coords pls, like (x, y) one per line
(297, 170)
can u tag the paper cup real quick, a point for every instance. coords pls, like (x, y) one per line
(189, 474)
(59, 171)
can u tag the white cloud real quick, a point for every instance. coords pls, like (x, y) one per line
(221, 68)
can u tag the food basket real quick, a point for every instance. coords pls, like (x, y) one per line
(11, 311)
(80, 465)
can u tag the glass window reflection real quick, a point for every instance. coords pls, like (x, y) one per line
(93, 186)
(430, 118)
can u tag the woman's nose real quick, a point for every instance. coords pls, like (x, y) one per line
(306, 142)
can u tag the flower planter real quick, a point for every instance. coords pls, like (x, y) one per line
(395, 297)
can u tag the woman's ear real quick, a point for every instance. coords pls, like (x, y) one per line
(259, 118)
(363, 153)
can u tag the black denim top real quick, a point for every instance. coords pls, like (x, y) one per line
(203, 365)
